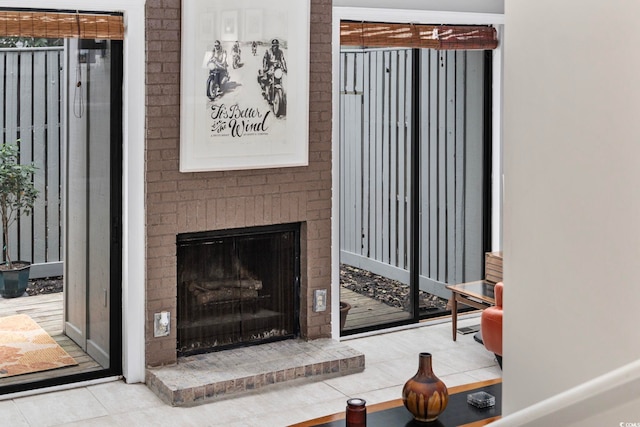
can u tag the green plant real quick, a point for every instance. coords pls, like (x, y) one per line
(17, 191)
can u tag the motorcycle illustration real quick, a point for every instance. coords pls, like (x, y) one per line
(218, 76)
(236, 62)
(273, 90)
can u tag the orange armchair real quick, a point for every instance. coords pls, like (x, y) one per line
(491, 324)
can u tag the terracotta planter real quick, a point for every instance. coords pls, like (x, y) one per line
(344, 309)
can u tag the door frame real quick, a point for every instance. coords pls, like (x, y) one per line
(418, 17)
(133, 214)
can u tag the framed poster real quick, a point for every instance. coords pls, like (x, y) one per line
(244, 84)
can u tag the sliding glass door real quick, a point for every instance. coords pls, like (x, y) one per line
(414, 133)
(375, 186)
(92, 187)
(63, 109)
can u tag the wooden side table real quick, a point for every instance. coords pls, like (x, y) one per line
(478, 294)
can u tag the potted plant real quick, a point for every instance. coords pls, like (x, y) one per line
(17, 196)
(344, 310)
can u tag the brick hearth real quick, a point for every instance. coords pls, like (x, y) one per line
(213, 376)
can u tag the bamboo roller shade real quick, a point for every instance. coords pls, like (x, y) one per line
(61, 25)
(441, 37)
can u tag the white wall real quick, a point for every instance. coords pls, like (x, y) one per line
(572, 194)
(484, 6)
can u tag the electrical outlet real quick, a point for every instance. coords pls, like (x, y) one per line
(319, 300)
(161, 324)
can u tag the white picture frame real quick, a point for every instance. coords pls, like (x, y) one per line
(242, 123)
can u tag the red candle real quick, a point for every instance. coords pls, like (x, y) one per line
(356, 413)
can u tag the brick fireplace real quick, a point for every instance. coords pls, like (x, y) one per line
(178, 203)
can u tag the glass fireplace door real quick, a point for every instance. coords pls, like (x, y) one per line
(237, 287)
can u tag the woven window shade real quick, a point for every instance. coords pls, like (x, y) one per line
(61, 25)
(441, 37)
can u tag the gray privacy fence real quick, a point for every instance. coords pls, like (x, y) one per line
(375, 164)
(31, 114)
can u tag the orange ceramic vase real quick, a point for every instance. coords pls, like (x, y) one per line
(424, 395)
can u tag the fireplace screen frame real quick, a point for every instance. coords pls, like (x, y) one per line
(254, 283)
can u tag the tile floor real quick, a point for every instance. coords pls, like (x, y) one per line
(390, 359)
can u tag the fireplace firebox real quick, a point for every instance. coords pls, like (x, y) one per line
(237, 287)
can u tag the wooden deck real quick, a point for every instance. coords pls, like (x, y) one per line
(47, 311)
(367, 311)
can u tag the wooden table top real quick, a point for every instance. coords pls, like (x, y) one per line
(480, 289)
(337, 419)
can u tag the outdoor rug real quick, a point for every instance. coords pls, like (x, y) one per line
(25, 347)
